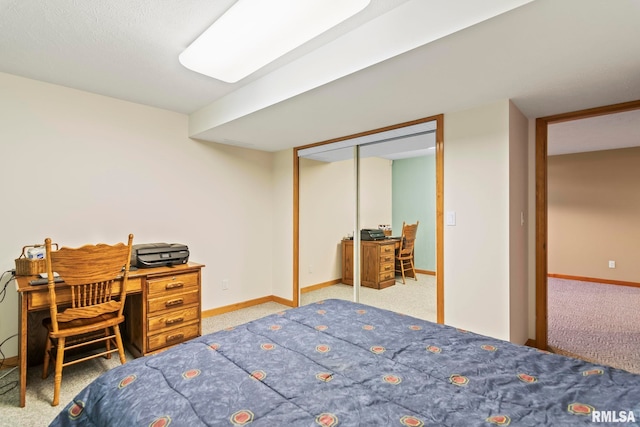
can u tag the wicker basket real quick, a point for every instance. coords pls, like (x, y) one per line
(30, 267)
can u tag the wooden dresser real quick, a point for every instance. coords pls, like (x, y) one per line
(377, 268)
(166, 312)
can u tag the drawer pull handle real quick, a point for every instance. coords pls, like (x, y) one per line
(173, 302)
(174, 285)
(175, 337)
(387, 268)
(174, 321)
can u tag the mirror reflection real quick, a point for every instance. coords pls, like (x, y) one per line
(397, 186)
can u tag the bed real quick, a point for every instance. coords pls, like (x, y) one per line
(338, 363)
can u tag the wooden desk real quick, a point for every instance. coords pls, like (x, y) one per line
(377, 258)
(162, 309)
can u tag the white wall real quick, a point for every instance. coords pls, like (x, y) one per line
(327, 209)
(81, 168)
(283, 224)
(476, 249)
(486, 182)
(376, 184)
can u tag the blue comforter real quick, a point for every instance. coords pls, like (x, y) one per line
(338, 363)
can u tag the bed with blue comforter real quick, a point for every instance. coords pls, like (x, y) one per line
(338, 363)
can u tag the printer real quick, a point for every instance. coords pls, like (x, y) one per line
(372, 234)
(159, 255)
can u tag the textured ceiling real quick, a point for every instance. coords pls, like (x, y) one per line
(128, 49)
(548, 56)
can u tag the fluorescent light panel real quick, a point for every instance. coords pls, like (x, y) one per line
(253, 33)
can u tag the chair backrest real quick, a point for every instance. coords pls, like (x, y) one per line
(90, 272)
(409, 232)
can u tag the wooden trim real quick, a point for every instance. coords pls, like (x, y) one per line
(439, 119)
(429, 272)
(320, 286)
(296, 228)
(595, 280)
(246, 304)
(283, 301)
(371, 132)
(541, 233)
(10, 362)
(440, 218)
(542, 125)
(530, 343)
(594, 112)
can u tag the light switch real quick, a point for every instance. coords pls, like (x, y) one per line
(451, 218)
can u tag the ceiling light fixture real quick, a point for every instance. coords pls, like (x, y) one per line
(253, 33)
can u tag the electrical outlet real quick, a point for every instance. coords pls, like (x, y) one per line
(225, 284)
(612, 264)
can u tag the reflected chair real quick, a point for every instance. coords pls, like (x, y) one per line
(404, 254)
(91, 304)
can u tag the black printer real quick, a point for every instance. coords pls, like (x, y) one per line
(159, 255)
(371, 234)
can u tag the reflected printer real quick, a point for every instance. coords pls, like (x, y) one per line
(159, 255)
(371, 234)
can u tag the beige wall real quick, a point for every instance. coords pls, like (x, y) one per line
(327, 209)
(518, 219)
(593, 214)
(80, 168)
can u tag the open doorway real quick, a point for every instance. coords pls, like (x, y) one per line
(371, 138)
(542, 207)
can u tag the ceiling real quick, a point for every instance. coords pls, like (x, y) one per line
(547, 56)
(619, 130)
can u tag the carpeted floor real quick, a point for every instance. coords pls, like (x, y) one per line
(415, 298)
(595, 322)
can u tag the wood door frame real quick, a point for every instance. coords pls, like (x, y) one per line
(439, 119)
(542, 125)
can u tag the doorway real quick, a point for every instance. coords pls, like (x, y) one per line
(542, 125)
(371, 137)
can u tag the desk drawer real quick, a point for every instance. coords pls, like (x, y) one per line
(174, 336)
(170, 301)
(387, 249)
(387, 258)
(173, 319)
(387, 275)
(39, 299)
(177, 282)
(387, 267)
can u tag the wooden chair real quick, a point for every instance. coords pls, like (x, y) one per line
(96, 276)
(404, 255)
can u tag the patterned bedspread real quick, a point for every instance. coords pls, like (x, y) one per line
(337, 363)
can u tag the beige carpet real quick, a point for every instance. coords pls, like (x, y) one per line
(595, 322)
(415, 298)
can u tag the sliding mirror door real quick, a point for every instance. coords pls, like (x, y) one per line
(396, 183)
(327, 208)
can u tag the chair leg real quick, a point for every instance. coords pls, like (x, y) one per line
(402, 270)
(107, 343)
(57, 381)
(116, 331)
(47, 357)
(413, 269)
